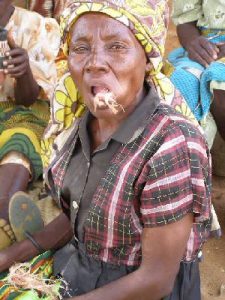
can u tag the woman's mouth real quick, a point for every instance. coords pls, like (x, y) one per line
(104, 98)
(99, 89)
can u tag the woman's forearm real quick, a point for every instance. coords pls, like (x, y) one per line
(137, 285)
(26, 89)
(187, 32)
(54, 235)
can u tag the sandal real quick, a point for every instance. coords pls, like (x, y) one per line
(24, 215)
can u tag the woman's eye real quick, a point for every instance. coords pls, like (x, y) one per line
(79, 49)
(117, 46)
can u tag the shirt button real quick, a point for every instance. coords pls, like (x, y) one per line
(75, 206)
(55, 147)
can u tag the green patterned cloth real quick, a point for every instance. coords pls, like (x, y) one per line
(21, 129)
(42, 265)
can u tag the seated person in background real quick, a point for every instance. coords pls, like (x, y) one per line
(198, 67)
(28, 76)
(132, 175)
(200, 64)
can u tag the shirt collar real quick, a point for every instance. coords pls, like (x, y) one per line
(135, 123)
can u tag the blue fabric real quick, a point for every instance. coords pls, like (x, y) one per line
(193, 80)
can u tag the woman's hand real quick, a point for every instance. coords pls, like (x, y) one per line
(202, 51)
(198, 47)
(18, 67)
(221, 48)
(17, 60)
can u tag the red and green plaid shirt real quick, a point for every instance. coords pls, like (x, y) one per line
(157, 177)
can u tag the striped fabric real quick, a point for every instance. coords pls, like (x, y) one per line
(47, 8)
(155, 179)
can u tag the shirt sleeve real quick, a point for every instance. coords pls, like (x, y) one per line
(186, 11)
(178, 179)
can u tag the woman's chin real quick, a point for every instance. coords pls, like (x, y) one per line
(102, 112)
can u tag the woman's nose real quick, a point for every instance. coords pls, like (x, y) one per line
(97, 62)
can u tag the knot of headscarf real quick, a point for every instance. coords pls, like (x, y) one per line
(147, 20)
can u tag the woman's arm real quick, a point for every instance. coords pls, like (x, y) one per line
(17, 66)
(198, 47)
(162, 251)
(54, 235)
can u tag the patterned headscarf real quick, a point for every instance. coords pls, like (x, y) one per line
(147, 20)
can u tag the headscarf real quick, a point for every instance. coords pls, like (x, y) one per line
(148, 21)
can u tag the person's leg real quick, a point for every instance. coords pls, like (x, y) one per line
(19, 215)
(16, 171)
(218, 111)
(13, 178)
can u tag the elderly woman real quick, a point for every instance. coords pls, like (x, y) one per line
(28, 75)
(132, 174)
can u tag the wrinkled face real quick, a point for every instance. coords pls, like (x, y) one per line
(104, 56)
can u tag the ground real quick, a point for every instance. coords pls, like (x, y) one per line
(213, 264)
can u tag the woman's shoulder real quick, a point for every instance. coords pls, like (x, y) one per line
(173, 122)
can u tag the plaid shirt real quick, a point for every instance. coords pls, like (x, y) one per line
(157, 177)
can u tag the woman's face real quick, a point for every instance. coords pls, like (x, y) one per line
(105, 56)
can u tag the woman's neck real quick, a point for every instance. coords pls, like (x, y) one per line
(5, 17)
(100, 130)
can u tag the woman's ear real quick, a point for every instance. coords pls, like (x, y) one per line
(148, 68)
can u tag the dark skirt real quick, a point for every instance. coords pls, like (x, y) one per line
(187, 283)
(84, 274)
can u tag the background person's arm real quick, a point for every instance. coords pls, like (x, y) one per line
(185, 16)
(17, 66)
(53, 236)
(198, 47)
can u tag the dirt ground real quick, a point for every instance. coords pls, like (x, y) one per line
(213, 264)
